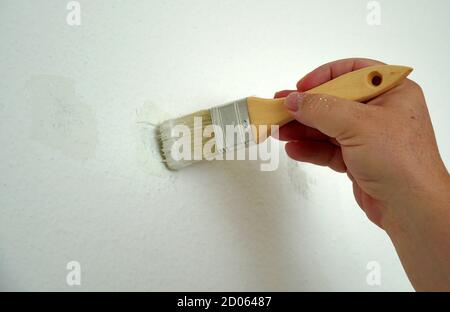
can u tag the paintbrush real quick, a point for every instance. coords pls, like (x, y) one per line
(205, 133)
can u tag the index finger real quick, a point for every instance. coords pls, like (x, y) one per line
(332, 70)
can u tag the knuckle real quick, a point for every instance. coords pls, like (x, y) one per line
(415, 86)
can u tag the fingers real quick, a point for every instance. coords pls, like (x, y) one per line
(295, 131)
(323, 117)
(332, 70)
(337, 118)
(316, 152)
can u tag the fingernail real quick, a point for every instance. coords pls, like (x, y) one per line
(293, 100)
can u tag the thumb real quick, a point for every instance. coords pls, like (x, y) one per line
(335, 117)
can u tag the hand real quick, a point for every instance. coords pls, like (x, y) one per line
(386, 146)
(388, 149)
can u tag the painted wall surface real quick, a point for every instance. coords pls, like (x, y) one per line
(80, 174)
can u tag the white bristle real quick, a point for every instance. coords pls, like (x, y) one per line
(168, 138)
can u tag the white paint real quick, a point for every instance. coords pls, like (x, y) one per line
(84, 190)
(147, 142)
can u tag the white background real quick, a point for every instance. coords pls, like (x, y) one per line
(80, 175)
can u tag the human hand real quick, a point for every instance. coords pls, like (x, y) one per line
(387, 145)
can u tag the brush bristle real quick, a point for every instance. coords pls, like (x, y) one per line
(168, 137)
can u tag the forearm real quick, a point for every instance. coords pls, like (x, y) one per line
(420, 232)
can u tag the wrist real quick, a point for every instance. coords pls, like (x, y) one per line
(420, 232)
(413, 206)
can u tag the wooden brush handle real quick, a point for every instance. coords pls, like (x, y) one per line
(360, 85)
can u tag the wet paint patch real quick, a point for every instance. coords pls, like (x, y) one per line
(148, 154)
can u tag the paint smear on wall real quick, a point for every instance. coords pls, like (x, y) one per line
(148, 155)
(60, 120)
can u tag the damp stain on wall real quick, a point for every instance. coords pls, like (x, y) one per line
(60, 119)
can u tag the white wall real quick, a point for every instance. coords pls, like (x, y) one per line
(80, 175)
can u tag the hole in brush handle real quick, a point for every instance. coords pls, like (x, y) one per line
(375, 78)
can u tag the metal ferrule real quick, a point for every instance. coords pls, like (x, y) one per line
(231, 126)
